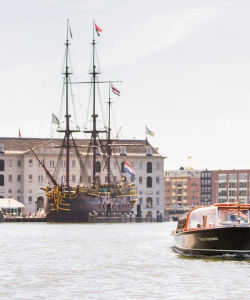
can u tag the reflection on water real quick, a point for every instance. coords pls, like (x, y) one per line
(110, 261)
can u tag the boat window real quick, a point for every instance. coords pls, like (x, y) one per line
(231, 215)
(203, 217)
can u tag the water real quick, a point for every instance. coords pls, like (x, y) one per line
(110, 261)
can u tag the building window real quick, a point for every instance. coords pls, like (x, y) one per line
(73, 163)
(1, 180)
(63, 178)
(232, 177)
(73, 178)
(1, 149)
(122, 167)
(97, 151)
(158, 165)
(30, 162)
(40, 178)
(157, 201)
(222, 177)
(19, 163)
(18, 191)
(30, 199)
(10, 178)
(149, 181)
(18, 178)
(30, 177)
(18, 198)
(140, 180)
(157, 179)
(30, 191)
(52, 164)
(149, 167)
(98, 166)
(140, 165)
(10, 163)
(1, 165)
(9, 191)
(140, 200)
(63, 164)
(242, 184)
(149, 202)
(123, 151)
(148, 151)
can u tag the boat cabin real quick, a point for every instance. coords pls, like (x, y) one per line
(217, 215)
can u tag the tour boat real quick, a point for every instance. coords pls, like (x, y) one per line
(219, 229)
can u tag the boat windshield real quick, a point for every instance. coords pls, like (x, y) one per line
(203, 218)
(232, 215)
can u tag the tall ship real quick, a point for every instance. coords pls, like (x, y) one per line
(68, 203)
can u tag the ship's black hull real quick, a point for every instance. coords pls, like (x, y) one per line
(214, 242)
(84, 205)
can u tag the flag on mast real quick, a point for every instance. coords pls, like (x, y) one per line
(149, 132)
(98, 30)
(55, 120)
(19, 133)
(129, 169)
(115, 91)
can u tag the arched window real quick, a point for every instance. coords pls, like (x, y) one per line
(1, 180)
(98, 166)
(149, 181)
(122, 167)
(40, 203)
(149, 202)
(1, 165)
(149, 167)
(40, 178)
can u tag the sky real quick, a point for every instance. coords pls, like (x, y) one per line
(184, 67)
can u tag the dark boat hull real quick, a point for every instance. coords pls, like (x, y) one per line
(83, 205)
(216, 241)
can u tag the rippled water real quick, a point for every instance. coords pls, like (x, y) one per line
(110, 261)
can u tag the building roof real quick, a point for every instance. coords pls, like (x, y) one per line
(10, 203)
(22, 145)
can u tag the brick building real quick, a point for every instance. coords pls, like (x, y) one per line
(182, 188)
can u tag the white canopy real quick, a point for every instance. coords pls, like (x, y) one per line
(10, 203)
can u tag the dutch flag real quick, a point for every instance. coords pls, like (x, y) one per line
(115, 91)
(98, 30)
(129, 169)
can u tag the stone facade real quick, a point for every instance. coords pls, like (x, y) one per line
(21, 176)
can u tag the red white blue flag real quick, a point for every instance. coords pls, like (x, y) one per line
(129, 169)
(98, 30)
(115, 91)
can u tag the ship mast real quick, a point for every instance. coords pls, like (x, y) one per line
(94, 115)
(67, 130)
(109, 149)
